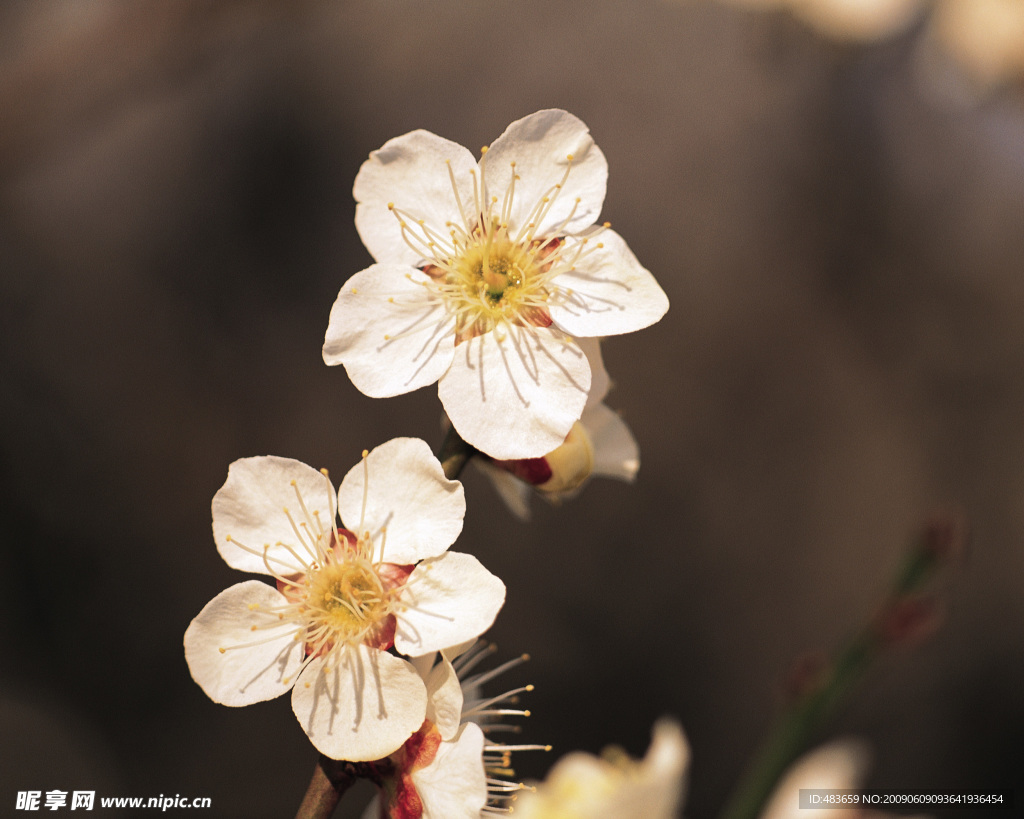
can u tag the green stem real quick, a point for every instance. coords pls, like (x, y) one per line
(899, 619)
(797, 727)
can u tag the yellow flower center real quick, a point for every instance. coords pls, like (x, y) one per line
(487, 272)
(345, 599)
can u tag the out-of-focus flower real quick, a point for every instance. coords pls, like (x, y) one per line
(450, 769)
(343, 598)
(838, 765)
(848, 19)
(613, 786)
(599, 444)
(486, 275)
(984, 37)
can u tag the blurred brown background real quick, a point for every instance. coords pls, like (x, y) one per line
(844, 354)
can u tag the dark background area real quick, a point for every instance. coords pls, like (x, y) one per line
(844, 354)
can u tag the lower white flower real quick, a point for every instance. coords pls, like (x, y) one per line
(613, 786)
(343, 598)
(598, 445)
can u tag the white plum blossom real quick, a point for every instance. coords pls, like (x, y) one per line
(345, 594)
(451, 768)
(600, 444)
(486, 275)
(613, 786)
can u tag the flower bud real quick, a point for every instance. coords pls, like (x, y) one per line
(561, 470)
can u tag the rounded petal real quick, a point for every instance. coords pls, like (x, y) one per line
(243, 675)
(454, 785)
(409, 494)
(616, 454)
(540, 145)
(412, 173)
(390, 332)
(515, 392)
(450, 599)
(249, 513)
(362, 708)
(608, 293)
(444, 698)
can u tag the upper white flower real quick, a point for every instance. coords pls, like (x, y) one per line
(343, 598)
(582, 786)
(486, 274)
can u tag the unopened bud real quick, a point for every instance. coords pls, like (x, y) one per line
(561, 470)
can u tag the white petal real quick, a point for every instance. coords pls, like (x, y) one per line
(390, 330)
(363, 708)
(250, 510)
(451, 599)
(444, 698)
(609, 293)
(454, 785)
(515, 493)
(516, 391)
(411, 171)
(600, 381)
(616, 454)
(540, 145)
(409, 494)
(242, 676)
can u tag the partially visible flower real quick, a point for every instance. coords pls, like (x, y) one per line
(984, 37)
(613, 786)
(486, 275)
(599, 444)
(858, 20)
(343, 597)
(839, 765)
(450, 769)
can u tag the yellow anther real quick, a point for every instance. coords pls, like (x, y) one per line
(323, 472)
(607, 224)
(391, 205)
(222, 650)
(355, 292)
(569, 157)
(253, 606)
(483, 150)
(365, 453)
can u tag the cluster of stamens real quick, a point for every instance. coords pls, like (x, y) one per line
(490, 715)
(488, 273)
(339, 591)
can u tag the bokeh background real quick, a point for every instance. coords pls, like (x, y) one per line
(840, 233)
